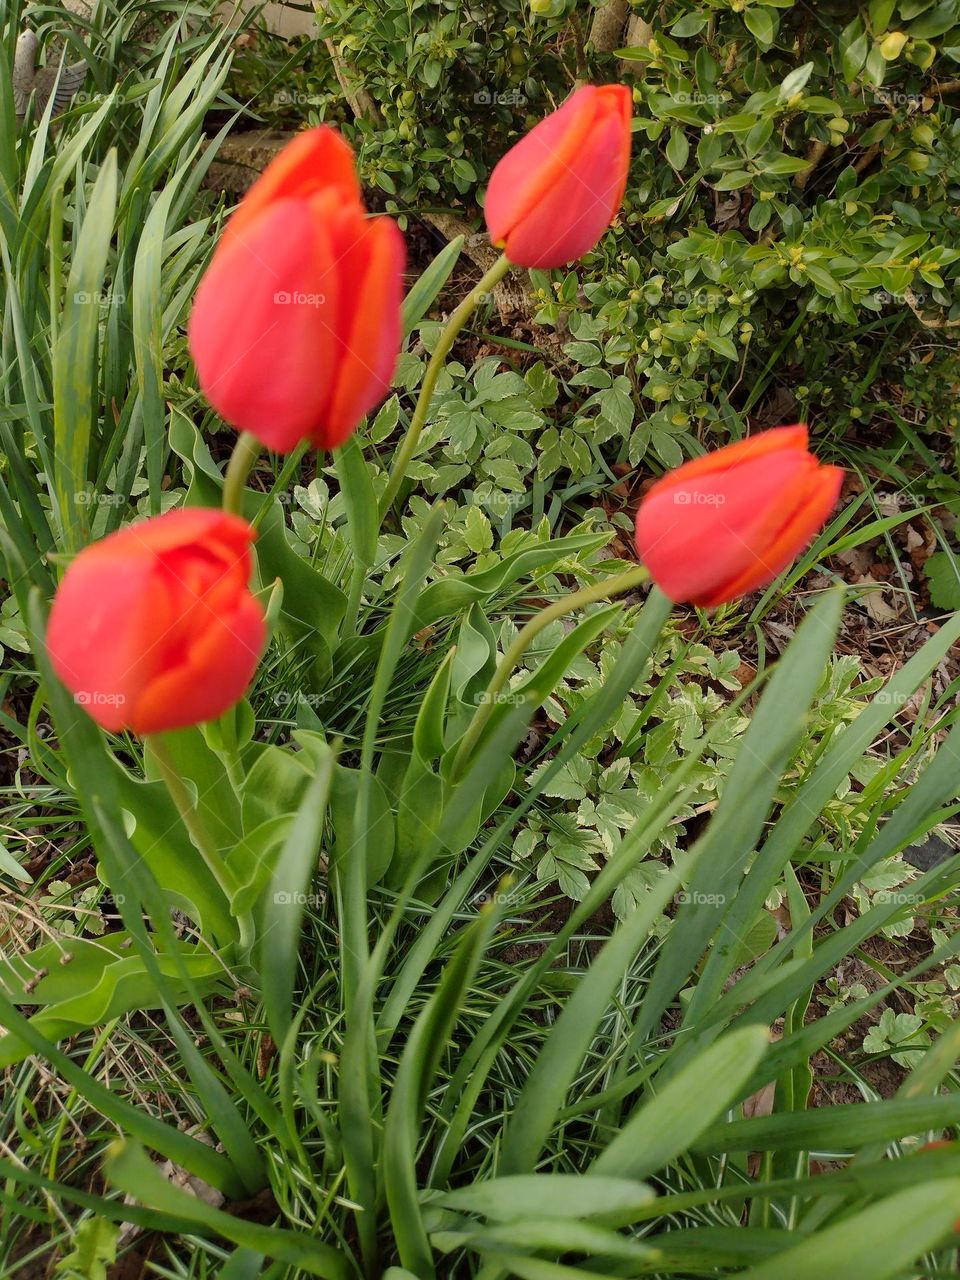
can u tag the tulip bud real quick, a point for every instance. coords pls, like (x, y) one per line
(295, 329)
(553, 195)
(154, 627)
(728, 523)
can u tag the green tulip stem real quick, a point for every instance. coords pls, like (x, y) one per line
(245, 453)
(408, 446)
(524, 638)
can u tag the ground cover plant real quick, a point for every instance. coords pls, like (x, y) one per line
(444, 834)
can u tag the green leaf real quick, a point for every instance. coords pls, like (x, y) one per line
(839, 1128)
(363, 521)
(795, 82)
(11, 867)
(75, 379)
(560, 1058)
(553, 1234)
(596, 1197)
(942, 571)
(678, 149)
(283, 907)
(414, 1078)
(762, 23)
(428, 286)
(664, 1127)
(93, 1249)
(129, 1169)
(881, 1242)
(761, 758)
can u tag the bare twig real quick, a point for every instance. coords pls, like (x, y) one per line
(815, 153)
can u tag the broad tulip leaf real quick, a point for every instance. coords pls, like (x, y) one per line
(380, 838)
(160, 838)
(99, 981)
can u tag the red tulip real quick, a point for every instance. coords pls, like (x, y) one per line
(553, 195)
(155, 628)
(295, 328)
(727, 523)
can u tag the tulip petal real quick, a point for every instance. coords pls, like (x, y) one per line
(212, 676)
(369, 324)
(155, 627)
(533, 165)
(553, 195)
(261, 325)
(317, 160)
(807, 512)
(731, 521)
(99, 633)
(720, 461)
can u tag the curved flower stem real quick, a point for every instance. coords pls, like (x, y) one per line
(245, 454)
(522, 641)
(180, 795)
(408, 446)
